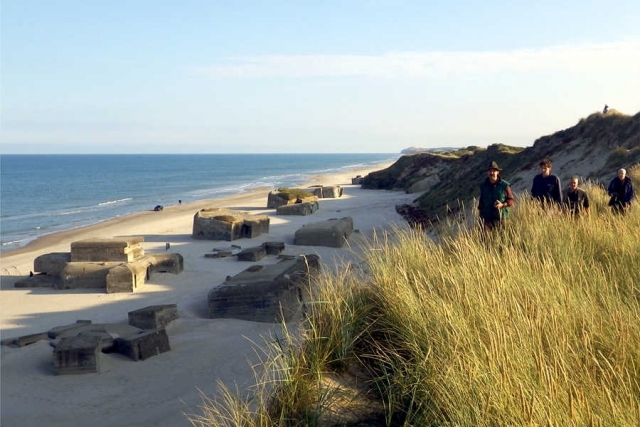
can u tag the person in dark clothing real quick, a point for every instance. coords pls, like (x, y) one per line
(575, 199)
(495, 198)
(621, 191)
(546, 187)
(606, 109)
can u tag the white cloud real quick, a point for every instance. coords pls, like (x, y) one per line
(623, 56)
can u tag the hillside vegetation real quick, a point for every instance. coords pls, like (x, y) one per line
(537, 324)
(593, 149)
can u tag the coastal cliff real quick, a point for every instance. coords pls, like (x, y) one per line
(447, 181)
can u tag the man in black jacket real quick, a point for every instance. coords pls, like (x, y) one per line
(546, 187)
(621, 192)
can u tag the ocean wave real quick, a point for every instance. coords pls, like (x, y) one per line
(13, 242)
(111, 202)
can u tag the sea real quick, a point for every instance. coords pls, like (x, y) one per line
(43, 194)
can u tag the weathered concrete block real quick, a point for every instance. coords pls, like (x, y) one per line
(273, 248)
(143, 345)
(331, 191)
(226, 224)
(77, 355)
(357, 180)
(153, 317)
(277, 198)
(271, 293)
(84, 275)
(164, 263)
(116, 249)
(307, 208)
(127, 277)
(52, 264)
(332, 233)
(252, 254)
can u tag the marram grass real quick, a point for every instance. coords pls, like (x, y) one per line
(537, 324)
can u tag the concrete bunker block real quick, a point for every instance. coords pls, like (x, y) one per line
(227, 224)
(252, 254)
(273, 248)
(304, 209)
(331, 191)
(52, 264)
(357, 180)
(127, 277)
(154, 316)
(332, 233)
(271, 293)
(116, 249)
(77, 355)
(144, 344)
(164, 263)
(85, 275)
(316, 190)
(277, 198)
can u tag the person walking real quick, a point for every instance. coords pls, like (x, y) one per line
(496, 198)
(546, 187)
(621, 191)
(575, 199)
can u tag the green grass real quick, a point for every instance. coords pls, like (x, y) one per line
(538, 324)
(294, 193)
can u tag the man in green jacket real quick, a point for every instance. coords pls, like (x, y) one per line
(495, 198)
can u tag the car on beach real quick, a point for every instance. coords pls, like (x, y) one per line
(158, 208)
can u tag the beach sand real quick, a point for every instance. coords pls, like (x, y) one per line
(159, 391)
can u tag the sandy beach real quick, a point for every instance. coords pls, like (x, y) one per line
(160, 390)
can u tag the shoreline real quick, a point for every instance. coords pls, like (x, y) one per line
(87, 231)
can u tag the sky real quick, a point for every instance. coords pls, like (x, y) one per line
(214, 76)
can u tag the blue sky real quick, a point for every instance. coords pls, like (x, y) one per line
(202, 76)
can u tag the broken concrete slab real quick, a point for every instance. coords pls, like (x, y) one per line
(227, 224)
(25, 340)
(154, 316)
(264, 293)
(252, 254)
(110, 250)
(332, 233)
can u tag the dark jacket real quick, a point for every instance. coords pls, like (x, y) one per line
(621, 192)
(546, 188)
(489, 193)
(575, 201)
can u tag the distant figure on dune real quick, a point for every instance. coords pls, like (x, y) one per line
(621, 191)
(606, 108)
(546, 187)
(575, 199)
(495, 198)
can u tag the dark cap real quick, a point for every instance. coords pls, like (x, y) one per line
(495, 166)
